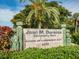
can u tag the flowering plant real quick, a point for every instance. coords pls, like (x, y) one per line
(5, 35)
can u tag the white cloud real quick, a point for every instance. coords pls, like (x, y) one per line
(6, 14)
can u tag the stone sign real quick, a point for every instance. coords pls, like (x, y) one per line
(42, 38)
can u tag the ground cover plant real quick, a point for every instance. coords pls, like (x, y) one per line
(69, 52)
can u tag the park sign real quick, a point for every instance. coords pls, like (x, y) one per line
(39, 38)
(42, 38)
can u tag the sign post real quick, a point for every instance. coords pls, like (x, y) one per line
(20, 35)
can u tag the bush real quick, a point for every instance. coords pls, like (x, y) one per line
(75, 38)
(35, 53)
(5, 36)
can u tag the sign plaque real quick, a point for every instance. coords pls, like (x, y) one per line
(43, 38)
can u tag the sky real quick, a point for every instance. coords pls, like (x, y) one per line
(9, 8)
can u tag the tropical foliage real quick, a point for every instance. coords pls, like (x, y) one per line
(50, 14)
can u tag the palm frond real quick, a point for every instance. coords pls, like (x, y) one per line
(28, 18)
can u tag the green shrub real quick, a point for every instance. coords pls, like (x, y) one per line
(35, 53)
(75, 38)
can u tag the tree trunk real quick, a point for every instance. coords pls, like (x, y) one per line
(76, 26)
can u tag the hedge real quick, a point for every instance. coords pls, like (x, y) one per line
(70, 52)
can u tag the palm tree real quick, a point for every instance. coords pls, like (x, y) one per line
(41, 13)
(75, 18)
